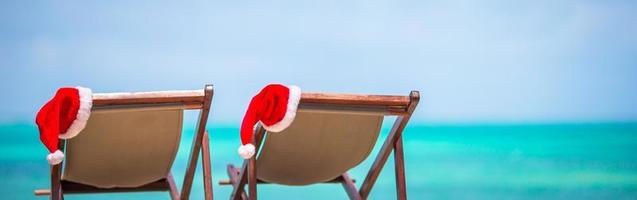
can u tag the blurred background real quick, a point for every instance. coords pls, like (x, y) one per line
(520, 100)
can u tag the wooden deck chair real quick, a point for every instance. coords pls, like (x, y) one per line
(331, 134)
(129, 144)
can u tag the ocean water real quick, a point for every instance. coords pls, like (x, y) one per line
(554, 161)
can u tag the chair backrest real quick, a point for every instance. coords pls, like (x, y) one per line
(130, 140)
(330, 135)
(317, 147)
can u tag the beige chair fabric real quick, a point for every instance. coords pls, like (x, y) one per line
(126, 148)
(317, 147)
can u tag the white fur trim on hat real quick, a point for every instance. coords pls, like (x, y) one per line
(290, 113)
(246, 151)
(55, 157)
(86, 102)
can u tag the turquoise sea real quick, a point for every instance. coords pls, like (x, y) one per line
(535, 161)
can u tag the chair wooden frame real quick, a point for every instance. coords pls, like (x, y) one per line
(400, 106)
(188, 99)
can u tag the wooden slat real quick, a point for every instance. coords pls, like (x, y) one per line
(362, 109)
(354, 99)
(144, 107)
(182, 96)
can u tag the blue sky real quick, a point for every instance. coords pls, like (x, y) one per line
(492, 61)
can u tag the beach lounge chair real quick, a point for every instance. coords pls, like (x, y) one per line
(129, 145)
(331, 134)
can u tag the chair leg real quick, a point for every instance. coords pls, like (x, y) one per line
(237, 193)
(55, 194)
(383, 155)
(196, 144)
(174, 193)
(399, 166)
(350, 187)
(206, 164)
(56, 176)
(56, 186)
(248, 173)
(252, 179)
(192, 167)
(58, 196)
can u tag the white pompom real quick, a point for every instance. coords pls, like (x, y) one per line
(55, 157)
(246, 151)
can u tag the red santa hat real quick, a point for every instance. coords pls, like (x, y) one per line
(274, 107)
(64, 116)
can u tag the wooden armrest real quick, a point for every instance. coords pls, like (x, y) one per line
(225, 182)
(42, 192)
